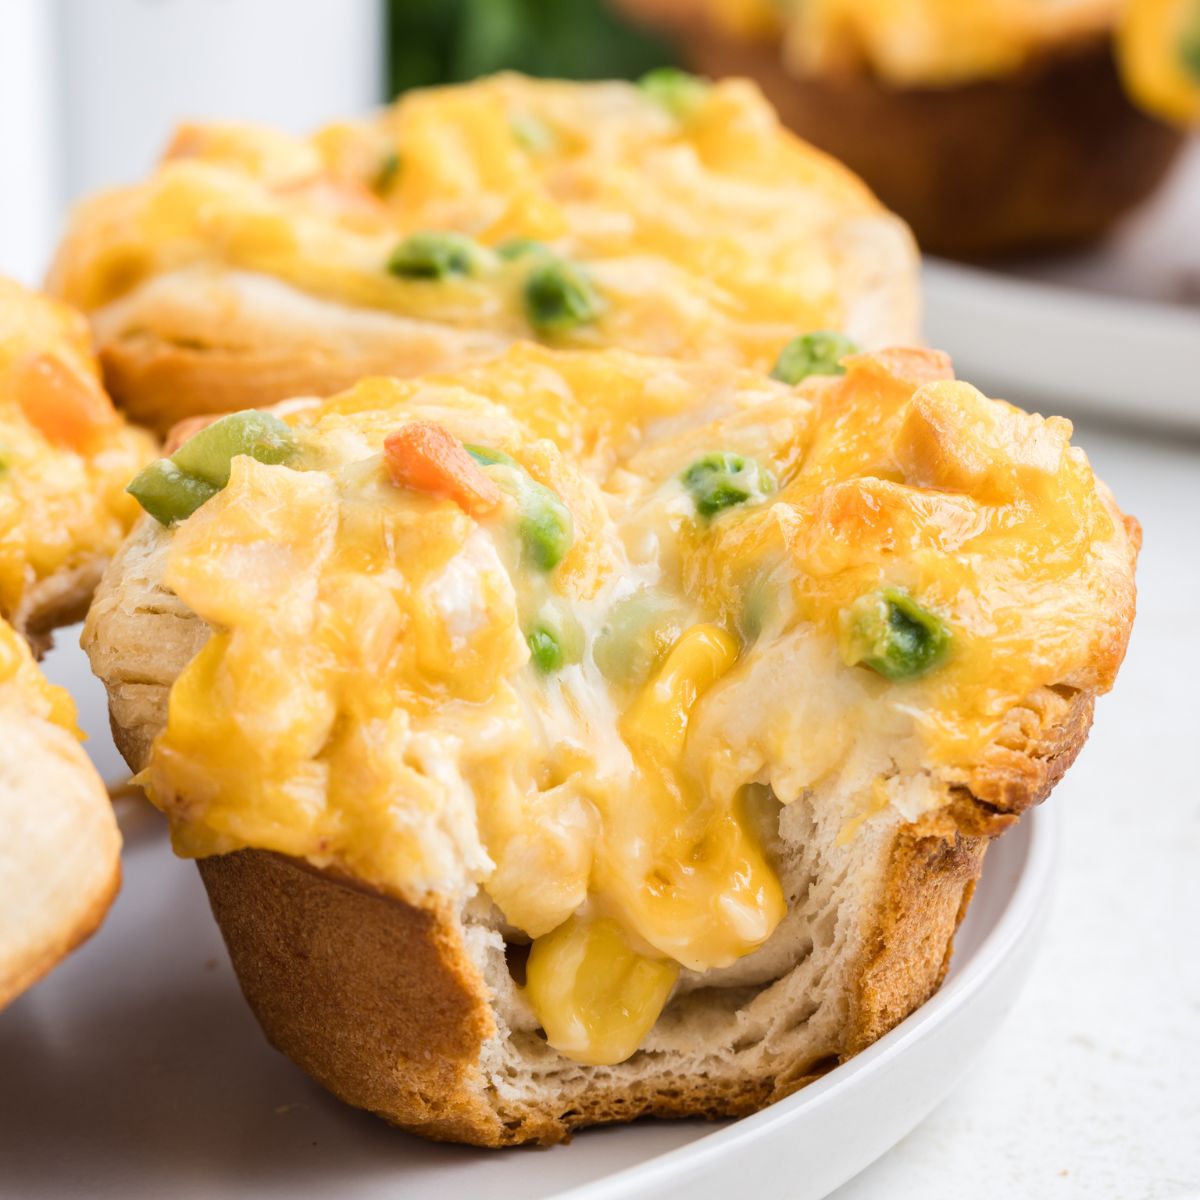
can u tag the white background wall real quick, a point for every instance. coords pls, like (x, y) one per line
(90, 90)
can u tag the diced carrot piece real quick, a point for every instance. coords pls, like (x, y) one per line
(66, 409)
(428, 458)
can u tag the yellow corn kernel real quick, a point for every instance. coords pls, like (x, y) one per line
(656, 724)
(684, 870)
(595, 996)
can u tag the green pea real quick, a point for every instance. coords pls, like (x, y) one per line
(638, 631)
(169, 494)
(209, 453)
(722, 480)
(1189, 47)
(555, 638)
(677, 91)
(485, 456)
(431, 255)
(547, 529)
(516, 248)
(532, 133)
(544, 651)
(892, 634)
(818, 353)
(389, 171)
(559, 296)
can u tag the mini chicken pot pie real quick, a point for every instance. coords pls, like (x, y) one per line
(65, 458)
(672, 218)
(582, 735)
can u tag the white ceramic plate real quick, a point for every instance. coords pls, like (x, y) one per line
(1115, 330)
(135, 1070)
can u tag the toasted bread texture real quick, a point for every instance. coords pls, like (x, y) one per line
(408, 991)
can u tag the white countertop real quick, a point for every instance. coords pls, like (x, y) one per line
(1091, 1088)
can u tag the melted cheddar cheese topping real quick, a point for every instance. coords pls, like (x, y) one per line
(368, 699)
(1159, 53)
(65, 454)
(709, 231)
(25, 687)
(916, 43)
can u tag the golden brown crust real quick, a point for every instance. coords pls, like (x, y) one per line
(84, 923)
(927, 889)
(60, 862)
(375, 998)
(208, 339)
(159, 382)
(936, 861)
(380, 1002)
(943, 158)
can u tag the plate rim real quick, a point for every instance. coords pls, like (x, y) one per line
(1018, 920)
(1130, 357)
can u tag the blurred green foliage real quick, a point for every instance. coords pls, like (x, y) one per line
(445, 41)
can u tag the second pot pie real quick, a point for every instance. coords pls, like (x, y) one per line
(582, 735)
(673, 218)
(65, 458)
(994, 127)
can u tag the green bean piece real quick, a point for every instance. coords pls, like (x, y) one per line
(169, 494)
(818, 353)
(209, 454)
(431, 255)
(560, 296)
(677, 91)
(485, 456)
(892, 634)
(722, 480)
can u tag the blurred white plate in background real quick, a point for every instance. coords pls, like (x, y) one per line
(136, 1070)
(1115, 330)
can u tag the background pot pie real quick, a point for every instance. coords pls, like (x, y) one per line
(672, 218)
(994, 127)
